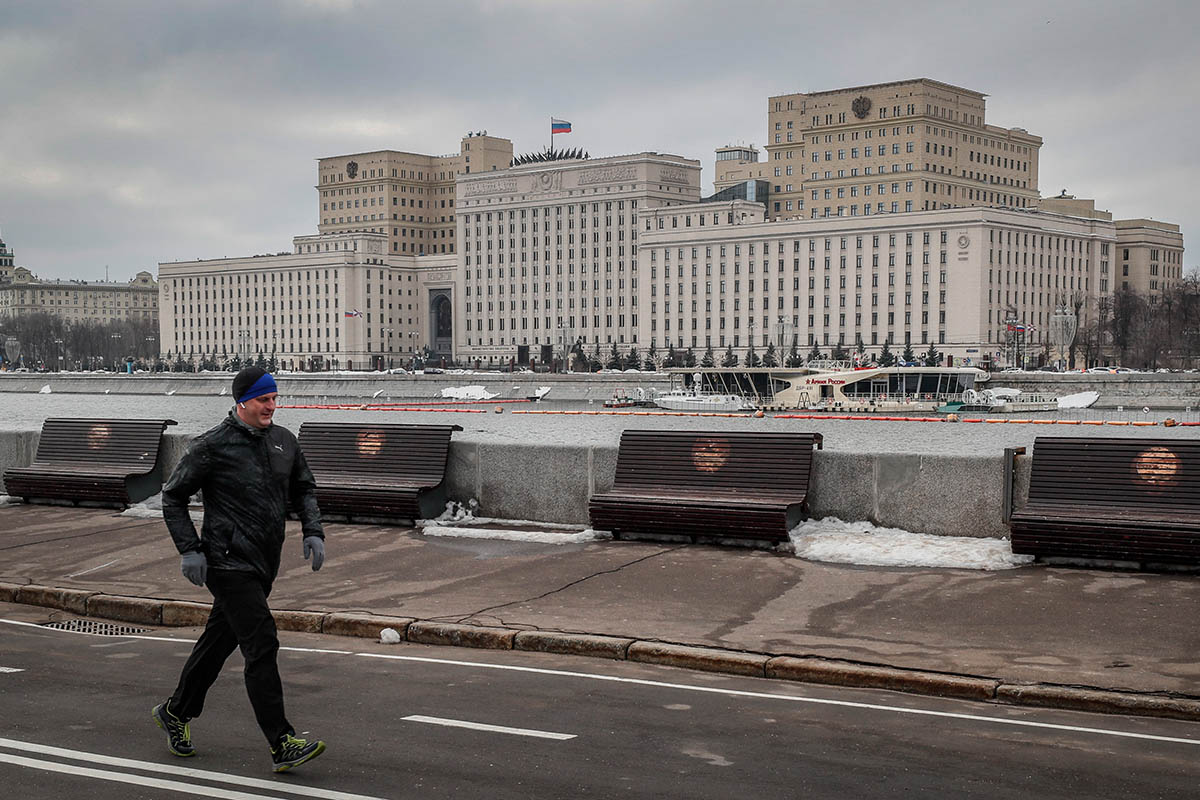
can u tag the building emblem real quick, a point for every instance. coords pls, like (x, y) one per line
(352, 169)
(550, 181)
(963, 241)
(861, 106)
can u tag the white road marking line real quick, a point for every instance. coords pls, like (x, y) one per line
(182, 772)
(713, 690)
(140, 780)
(10, 669)
(793, 698)
(479, 726)
(93, 569)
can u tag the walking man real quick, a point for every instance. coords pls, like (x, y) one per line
(251, 471)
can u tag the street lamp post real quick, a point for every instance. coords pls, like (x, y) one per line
(151, 352)
(388, 348)
(59, 342)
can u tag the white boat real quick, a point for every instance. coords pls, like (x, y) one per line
(841, 386)
(683, 400)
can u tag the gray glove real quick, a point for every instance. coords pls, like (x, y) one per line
(316, 546)
(194, 566)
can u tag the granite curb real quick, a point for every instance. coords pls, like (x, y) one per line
(791, 667)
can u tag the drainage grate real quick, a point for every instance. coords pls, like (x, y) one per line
(95, 627)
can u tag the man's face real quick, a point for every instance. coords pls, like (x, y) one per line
(257, 411)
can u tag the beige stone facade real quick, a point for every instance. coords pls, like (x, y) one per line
(1149, 256)
(738, 164)
(407, 197)
(550, 252)
(888, 148)
(338, 301)
(952, 277)
(80, 301)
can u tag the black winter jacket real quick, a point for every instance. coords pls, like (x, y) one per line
(250, 477)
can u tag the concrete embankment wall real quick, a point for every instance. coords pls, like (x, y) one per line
(945, 495)
(571, 386)
(1133, 391)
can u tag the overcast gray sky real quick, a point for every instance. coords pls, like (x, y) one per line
(139, 132)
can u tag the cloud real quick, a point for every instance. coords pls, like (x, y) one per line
(140, 132)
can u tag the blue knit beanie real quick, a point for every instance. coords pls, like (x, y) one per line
(252, 382)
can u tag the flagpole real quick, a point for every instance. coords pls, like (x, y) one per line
(552, 134)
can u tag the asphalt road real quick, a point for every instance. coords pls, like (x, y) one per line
(409, 721)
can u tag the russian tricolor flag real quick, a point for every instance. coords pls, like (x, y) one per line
(559, 126)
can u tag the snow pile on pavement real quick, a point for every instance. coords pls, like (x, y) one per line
(542, 537)
(462, 522)
(862, 543)
(9, 500)
(1080, 400)
(455, 512)
(151, 508)
(474, 392)
(541, 392)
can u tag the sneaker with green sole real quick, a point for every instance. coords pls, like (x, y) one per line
(179, 733)
(292, 752)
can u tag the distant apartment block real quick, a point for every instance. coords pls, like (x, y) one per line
(78, 301)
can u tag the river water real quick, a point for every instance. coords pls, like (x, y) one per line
(24, 411)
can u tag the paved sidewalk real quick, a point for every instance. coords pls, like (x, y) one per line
(1123, 631)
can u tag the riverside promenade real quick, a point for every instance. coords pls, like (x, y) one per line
(1118, 642)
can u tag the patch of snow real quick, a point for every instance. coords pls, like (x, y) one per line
(862, 543)
(1080, 400)
(9, 500)
(474, 392)
(541, 392)
(1004, 393)
(455, 512)
(389, 636)
(543, 537)
(45, 389)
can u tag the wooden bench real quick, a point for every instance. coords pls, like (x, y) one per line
(383, 470)
(708, 483)
(109, 461)
(1113, 499)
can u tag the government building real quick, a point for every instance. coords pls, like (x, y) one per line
(884, 214)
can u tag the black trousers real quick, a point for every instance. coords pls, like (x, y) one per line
(240, 618)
